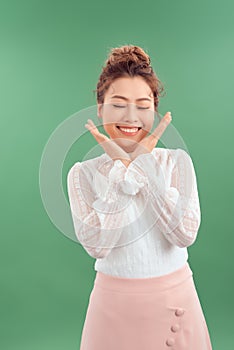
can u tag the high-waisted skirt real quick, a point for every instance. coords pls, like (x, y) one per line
(156, 313)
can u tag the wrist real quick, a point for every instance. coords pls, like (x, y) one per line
(126, 162)
(138, 152)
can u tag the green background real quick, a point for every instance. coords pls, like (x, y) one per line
(51, 57)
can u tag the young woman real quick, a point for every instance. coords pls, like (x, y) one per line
(136, 210)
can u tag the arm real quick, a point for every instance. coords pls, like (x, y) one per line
(98, 220)
(175, 203)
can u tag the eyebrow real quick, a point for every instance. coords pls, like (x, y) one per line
(126, 99)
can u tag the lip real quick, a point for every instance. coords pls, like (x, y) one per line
(130, 127)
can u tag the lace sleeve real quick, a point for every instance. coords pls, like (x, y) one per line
(175, 202)
(98, 219)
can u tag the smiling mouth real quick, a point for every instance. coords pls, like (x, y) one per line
(129, 130)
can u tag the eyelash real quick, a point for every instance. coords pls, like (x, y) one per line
(124, 107)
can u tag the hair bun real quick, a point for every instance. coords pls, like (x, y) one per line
(128, 61)
(128, 53)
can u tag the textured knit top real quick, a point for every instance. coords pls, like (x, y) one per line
(136, 221)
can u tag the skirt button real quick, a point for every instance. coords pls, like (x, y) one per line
(170, 342)
(179, 312)
(175, 327)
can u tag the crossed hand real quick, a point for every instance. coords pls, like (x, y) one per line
(146, 145)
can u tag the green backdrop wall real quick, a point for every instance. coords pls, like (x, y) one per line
(51, 57)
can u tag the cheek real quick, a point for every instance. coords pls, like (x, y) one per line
(147, 119)
(110, 129)
(144, 132)
(148, 126)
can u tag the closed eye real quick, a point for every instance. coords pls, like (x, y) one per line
(119, 106)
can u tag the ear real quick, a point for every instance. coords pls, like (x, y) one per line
(99, 110)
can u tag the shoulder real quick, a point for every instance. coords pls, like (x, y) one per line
(164, 156)
(87, 166)
(170, 154)
(172, 159)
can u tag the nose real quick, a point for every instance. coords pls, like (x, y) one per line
(131, 114)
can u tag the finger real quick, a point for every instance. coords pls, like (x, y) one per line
(92, 127)
(95, 132)
(88, 126)
(159, 130)
(91, 124)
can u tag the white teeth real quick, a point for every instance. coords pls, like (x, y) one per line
(129, 130)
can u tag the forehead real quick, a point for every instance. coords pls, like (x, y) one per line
(130, 87)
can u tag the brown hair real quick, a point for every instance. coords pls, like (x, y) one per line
(128, 60)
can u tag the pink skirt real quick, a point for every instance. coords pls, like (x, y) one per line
(153, 313)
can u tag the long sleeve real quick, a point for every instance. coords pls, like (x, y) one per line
(175, 201)
(98, 218)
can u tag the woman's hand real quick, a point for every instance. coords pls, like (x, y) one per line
(110, 147)
(148, 143)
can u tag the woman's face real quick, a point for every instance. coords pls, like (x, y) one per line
(128, 104)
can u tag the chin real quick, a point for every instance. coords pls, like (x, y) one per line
(128, 145)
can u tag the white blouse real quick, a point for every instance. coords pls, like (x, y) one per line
(136, 221)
